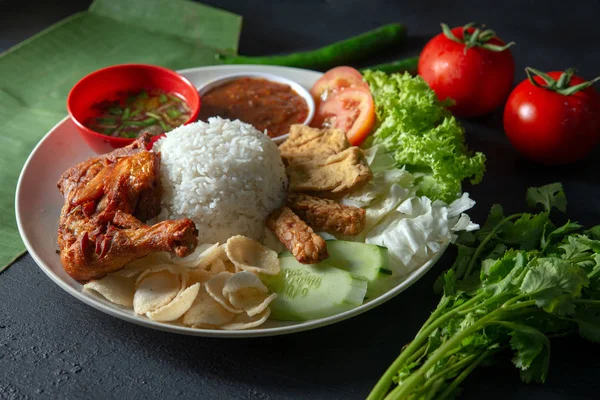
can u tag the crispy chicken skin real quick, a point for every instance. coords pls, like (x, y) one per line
(327, 215)
(106, 199)
(298, 238)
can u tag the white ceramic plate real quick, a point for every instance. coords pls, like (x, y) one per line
(38, 204)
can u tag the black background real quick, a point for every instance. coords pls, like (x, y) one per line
(53, 346)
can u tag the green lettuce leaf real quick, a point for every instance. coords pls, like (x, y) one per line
(422, 135)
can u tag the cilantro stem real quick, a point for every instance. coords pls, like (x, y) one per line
(436, 386)
(485, 241)
(417, 354)
(382, 386)
(515, 299)
(402, 391)
(577, 260)
(487, 302)
(439, 310)
(458, 380)
(447, 371)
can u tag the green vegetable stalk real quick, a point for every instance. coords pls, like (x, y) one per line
(406, 65)
(422, 135)
(339, 53)
(516, 282)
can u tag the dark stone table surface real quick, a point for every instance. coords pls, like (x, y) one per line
(53, 346)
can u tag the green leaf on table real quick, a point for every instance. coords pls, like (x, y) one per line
(191, 21)
(548, 196)
(37, 75)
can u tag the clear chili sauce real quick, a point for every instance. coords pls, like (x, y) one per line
(264, 104)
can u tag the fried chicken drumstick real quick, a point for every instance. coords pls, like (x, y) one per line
(106, 199)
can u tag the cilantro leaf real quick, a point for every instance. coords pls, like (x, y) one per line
(554, 235)
(526, 232)
(532, 352)
(515, 273)
(561, 305)
(549, 278)
(493, 271)
(588, 321)
(548, 196)
(494, 217)
(593, 232)
(538, 369)
(592, 244)
(595, 272)
(574, 248)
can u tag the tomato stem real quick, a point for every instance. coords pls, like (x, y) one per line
(477, 38)
(562, 85)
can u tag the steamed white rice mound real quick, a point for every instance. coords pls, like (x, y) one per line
(224, 175)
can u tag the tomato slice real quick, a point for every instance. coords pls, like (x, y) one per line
(352, 110)
(337, 79)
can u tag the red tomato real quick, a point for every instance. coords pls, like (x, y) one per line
(550, 127)
(352, 110)
(343, 101)
(336, 79)
(477, 78)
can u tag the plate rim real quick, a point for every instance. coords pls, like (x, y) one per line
(118, 312)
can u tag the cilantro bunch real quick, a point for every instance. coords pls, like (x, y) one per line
(516, 283)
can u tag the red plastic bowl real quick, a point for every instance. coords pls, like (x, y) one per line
(105, 83)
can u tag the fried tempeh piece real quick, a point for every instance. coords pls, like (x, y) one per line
(327, 215)
(299, 238)
(338, 174)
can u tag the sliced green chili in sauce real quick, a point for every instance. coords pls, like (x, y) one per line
(132, 114)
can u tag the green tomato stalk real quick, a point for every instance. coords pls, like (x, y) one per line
(562, 85)
(475, 37)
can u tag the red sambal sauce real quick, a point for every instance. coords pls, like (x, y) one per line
(264, 104)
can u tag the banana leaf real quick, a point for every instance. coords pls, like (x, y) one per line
(37, 74)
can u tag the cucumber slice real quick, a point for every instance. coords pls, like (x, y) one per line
(313, 291)
(367, 260)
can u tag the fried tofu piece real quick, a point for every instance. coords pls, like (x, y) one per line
(322, 160)
(307, 142)
(297, 237)
(338, 174)
(327, 215)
